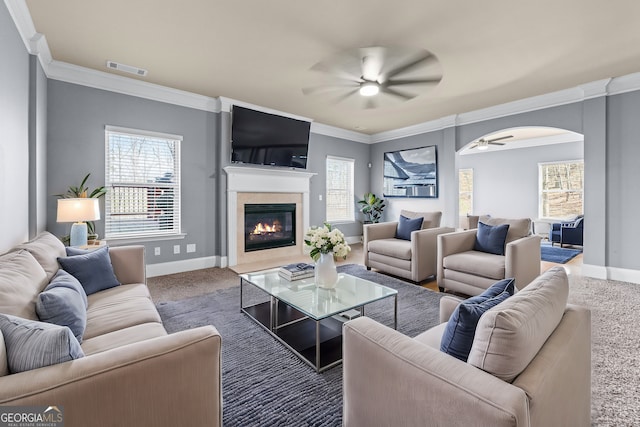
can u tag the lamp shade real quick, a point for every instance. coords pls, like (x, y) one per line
(77, 210)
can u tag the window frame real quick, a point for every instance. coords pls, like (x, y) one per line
(175, 232)
(350, 190)
(541, 191)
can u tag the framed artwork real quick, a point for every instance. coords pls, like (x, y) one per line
(411, 173)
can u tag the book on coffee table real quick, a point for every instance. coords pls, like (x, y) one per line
(296, 271)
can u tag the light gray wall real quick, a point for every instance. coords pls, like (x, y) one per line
(14, 128)
(623, 178)
(505, 183)
(76, 144)
(321, 146)
(444, 140)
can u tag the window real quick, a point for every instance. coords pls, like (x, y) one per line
(143, 184)
(340, 202)
(561, 189)
(465, 192)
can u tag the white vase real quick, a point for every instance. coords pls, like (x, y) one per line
(326, 275)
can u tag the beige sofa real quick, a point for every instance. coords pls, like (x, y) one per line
(464, 270)
(530, 365)
(133, 372)
(413, 259)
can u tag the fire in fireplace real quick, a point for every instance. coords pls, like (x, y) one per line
(268, 226)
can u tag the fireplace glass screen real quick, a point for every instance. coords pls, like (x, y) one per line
(268, 226)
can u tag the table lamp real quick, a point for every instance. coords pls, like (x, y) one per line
(78, 211)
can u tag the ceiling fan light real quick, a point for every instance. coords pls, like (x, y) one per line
(483, 147)
(369, 89)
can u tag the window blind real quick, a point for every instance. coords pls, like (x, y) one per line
(143, 184)
(339, 198)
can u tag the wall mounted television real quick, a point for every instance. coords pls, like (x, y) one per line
(267, 139)
(411, 173)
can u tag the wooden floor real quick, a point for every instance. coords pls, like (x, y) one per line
(356, 256)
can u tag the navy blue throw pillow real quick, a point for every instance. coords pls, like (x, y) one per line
(93, 270)
(406, 226)
(458, 335)
(491, 239)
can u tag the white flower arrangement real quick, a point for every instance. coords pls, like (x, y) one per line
(326, 240)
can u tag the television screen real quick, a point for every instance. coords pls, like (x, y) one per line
(267, 139)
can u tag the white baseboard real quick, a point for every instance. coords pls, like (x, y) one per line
(172, 267)
(611, 273)
(353, 239)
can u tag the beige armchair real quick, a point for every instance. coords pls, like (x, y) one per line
(465, 270)
(529, 366)
(413, 259)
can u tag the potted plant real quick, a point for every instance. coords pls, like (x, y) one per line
(371, 206)
(81, 192)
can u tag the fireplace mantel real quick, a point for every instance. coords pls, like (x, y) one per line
(241, 179)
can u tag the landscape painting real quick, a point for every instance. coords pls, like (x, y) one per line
(411, 173)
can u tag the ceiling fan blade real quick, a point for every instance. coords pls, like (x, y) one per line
(370, 103)
(372, 62)
(409, 65)
(328, 88)
(500, 138)
(335, 70)
(394, 92)
(400, 82)
(496, 143)
(473, 146)
(345, 96)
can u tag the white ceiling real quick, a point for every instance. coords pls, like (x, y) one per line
(261, 52)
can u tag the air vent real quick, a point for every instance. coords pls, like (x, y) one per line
(126, 68)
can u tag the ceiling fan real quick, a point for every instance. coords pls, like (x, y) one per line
(377, 72)
(483, 144)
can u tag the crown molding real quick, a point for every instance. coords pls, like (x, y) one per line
(623, 84)
(430, 126)
(227, 103)
(22, 18)
(336, 132)
(106, 81)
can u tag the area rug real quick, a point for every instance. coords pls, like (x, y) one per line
(264, 383)
(558, 255)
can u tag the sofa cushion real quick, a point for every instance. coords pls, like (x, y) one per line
(110, 311)
(518, 228)
(45, 248)
(396, 248)
(461, 327)
(406, 226)
(123, 337)
(4, 367)
(491, 238)
(92, 269)
(65, 307)
(21, 280)
(508, 337)
(477, 264)
(429, 219)
(32, 345)
(65, 280)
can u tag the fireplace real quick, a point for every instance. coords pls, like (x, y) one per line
(268, 226)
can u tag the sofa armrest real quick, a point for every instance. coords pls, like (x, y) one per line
(370, 232)
(128, 263)
(448, 303)
(424, 250)
(522, 260)
(391, 379)
(165, 381)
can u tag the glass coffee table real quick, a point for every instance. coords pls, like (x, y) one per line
(307, 319)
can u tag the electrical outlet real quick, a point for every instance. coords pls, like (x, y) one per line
(156, 251)
(176, 249)
(320, 197)
(191, 247)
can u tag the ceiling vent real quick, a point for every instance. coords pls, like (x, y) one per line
(126, 68)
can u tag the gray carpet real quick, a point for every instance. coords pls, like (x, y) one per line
(263, 383)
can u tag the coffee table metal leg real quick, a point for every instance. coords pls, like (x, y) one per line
(395, 311)
(317, 346)
(241, 282)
